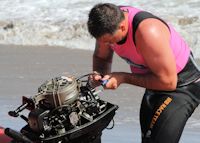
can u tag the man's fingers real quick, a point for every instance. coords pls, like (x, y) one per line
(106, 77)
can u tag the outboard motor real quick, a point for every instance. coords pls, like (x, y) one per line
(65, 110)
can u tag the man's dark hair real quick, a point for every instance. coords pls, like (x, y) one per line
(104, 18)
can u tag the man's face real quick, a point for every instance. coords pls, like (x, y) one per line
(110, 39)
(120, 34)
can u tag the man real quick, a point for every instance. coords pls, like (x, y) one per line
(160, 61)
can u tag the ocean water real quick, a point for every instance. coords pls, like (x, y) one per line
(63, 23)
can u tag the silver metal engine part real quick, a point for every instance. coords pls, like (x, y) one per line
(58, 91)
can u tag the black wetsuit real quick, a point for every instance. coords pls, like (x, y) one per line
(163, 115)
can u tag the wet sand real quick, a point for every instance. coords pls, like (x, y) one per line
(24, 68)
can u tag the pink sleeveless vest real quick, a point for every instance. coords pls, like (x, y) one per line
(128, 50)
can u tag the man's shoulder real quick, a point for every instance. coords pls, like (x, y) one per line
(147, 19)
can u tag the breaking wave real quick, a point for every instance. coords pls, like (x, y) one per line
(63, 23)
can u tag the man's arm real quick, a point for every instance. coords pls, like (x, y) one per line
(153, 43)
(102, 58)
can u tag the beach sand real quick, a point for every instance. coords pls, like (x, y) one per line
(25, 68)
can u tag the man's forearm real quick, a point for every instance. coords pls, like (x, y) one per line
(148, 81)
(101, 65)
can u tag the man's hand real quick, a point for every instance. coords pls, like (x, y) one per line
(113, 80)
(94, 79)
(109, 81)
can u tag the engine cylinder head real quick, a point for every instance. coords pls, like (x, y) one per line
(58, 91)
